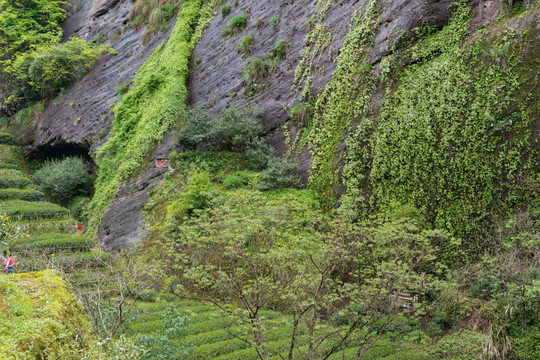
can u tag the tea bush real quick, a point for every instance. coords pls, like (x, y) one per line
(62, 180)
(7, 139)
(11, 181)
(21, 194)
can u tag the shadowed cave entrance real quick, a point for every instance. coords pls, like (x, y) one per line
(61, 151)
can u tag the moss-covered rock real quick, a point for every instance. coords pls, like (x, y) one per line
(42, 318)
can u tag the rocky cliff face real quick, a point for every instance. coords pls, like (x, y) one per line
(82, 116)
(313, 30)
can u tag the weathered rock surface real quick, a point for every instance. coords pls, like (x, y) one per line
(82, 115)
(217, 81)
(124, 224)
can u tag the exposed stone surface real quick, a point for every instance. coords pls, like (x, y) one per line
(124, 223)
(82, 116)
(217, 81)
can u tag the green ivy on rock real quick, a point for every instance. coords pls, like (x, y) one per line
(154, 103)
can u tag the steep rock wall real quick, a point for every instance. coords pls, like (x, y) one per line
(82, 115)
(314, 31)
(216, 79)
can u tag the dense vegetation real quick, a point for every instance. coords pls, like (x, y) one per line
(43, 315)
(150, 108)
(417, 236)
(32, 62)
(63, 180)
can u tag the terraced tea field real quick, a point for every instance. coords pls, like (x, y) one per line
(52, 238)
(52, 242)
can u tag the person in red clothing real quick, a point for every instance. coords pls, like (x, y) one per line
(9, 263)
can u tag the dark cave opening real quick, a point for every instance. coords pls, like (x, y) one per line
(61, 151)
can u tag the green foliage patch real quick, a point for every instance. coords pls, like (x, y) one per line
(225, 10)
(344, 98)
(32, 62)
(7, 139)
(25, 25)
(10, 154)
(47, 69)
(20, 194)
(232, 130)
(465, 155)
(54, 242)
(154, 14)
(42, 318)
(34, 211)
(149, 109)
(11, 181)
(246, 44)
(236, 25)
(63, 180)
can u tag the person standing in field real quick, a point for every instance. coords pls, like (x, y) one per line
(8, 258)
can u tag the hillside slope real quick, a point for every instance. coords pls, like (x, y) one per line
(353, 65)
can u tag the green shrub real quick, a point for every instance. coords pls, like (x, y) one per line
(235, 129)
(274, 20)
(158, 16)
(153, 13)
(7, 139)
(55, 242)
(246, 44)
(464, 344)
(165, 344)
(280, 173)
(231, 130)
(10, 154)
(10, 181)
(258, 154)
(195, 196)
(4, 165)
(34, 211)
(238, 179)
(225, 10)
(256, 71)
(21, 194)
(9, 172)
(47, 69)
(149, 295)
(197, 130)
(280, 50)
(62, 180)
(25, 26)
(236, 25)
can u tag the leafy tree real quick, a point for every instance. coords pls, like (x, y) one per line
(47, 69)
(25, 24)
(231, 130)
(251, 251)
(63, 180)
